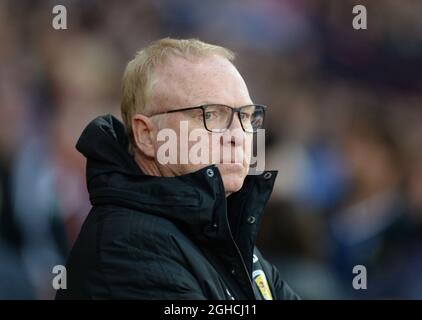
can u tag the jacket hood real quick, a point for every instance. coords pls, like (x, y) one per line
(113, 176)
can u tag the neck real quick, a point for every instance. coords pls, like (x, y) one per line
(148, 166)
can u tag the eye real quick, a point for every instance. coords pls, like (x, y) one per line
(245, 115)
(209, 115)
(196, 114)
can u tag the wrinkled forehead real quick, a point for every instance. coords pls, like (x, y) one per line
(182, 82)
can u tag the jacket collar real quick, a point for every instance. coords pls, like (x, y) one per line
(195, 202)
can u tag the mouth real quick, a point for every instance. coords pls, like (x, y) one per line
(232, 163)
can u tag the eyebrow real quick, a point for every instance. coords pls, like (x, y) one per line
(204, 102)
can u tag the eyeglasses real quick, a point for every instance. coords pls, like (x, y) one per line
(219, 117)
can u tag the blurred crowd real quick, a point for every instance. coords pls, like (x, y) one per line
(344, 130)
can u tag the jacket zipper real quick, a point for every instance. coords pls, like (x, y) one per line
(239, 253)
(245, 269)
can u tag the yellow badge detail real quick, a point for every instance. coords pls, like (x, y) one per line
(262, 283)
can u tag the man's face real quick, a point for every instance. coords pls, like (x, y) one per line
(182, 83)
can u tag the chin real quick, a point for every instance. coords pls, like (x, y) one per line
(231, 186)
(233, 182)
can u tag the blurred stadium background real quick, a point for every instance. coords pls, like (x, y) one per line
(345, 130)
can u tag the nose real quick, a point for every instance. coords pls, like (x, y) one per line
(235, 124)
(235, 133)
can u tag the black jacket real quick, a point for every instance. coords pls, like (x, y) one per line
(166, 238)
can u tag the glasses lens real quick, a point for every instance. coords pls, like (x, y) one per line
(252, 118)
(217, 117)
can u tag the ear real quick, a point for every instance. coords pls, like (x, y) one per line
(144, 135)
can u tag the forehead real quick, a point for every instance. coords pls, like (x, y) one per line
(184, 82)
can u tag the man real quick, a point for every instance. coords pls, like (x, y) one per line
(174, 229)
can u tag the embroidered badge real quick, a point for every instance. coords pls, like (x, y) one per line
(262, 283)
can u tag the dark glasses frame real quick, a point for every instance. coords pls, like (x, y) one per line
(238, 110)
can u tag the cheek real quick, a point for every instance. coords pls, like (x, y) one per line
(248, 145)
